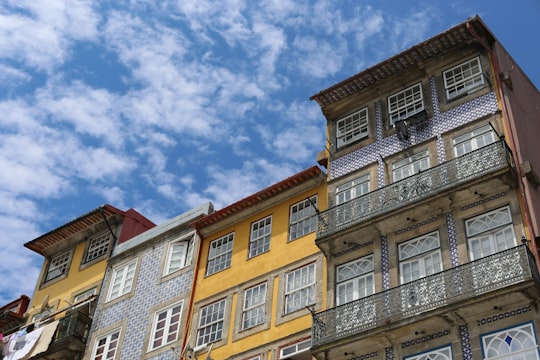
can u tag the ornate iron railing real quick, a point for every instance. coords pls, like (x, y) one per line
(75, 324)
(457, 171)
(451, 286)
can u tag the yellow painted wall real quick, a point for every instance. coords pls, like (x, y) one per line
(281, 254)
(74, 283)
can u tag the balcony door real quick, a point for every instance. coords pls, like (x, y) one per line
(347, 192)
(487, 234)
(419, 258)
(354, 281)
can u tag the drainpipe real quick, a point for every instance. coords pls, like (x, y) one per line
(193, 285)
(506, 121)
(102, 212)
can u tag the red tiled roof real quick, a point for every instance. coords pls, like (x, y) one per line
(256, 198)
(74, 226)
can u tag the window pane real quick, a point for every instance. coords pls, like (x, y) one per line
(352, 127)
(220, 254)
(303, 218)
(300, 288)
(259, 241)
(405, 103)
(463, 78)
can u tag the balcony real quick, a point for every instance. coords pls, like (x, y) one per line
(450, 288)
(71, 334)
(458, 171)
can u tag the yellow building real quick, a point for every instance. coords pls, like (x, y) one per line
(75, 259)
(260, 274)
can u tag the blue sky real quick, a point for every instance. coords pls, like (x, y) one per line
(162, 105)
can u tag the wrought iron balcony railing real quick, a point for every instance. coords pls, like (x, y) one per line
(454, 172)
(74, 326)
(451, 286)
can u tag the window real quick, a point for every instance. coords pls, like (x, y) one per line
(300, 288)
(444, 353)
(352, 189)
(303, 218)
(84, 295)
(58, 266)
(353, 127)
(122, 280)
(473, 140)
(220, 254)
(179, 255)
(105, 347)
(166, 326)
(490, 233)
(463, 78)
(253, 312)
(354, 280)
(420, 257)
(211, 323)
(410, 166)
(515, 343)
(405, 103)
(259, 241)
(287, 352)
(98, 246)
(44, 314)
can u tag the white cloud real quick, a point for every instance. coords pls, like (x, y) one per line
(11, 76)
(409, 29)
(19, 266)
(318, 58)
(40, 32)
(90, 111)
(227, 186)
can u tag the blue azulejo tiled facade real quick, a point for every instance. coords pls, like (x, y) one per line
(441, 122)
(133, 313)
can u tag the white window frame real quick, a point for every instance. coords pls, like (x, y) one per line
(179, 253)
(410, 166)
(423, 251)
(166, 324)
(254, 306)
(352, 189)
(473, 140)
(483, 232)
(463, 79)
(405, 103)
(122, 278)
(443, 353)
(351, 128)
(259, 238)
(355, 280)
(499, 341)
(211, 323)
(84, 295)
(220, 254)
(303, 218)
(296, 348)
(109, 345)
(58, 264)
(98, 246)
(300, 288)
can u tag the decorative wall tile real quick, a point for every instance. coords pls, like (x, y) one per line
(437, 124)
(452, 239)
(148, 293)
(465, 339)
(385, 266)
